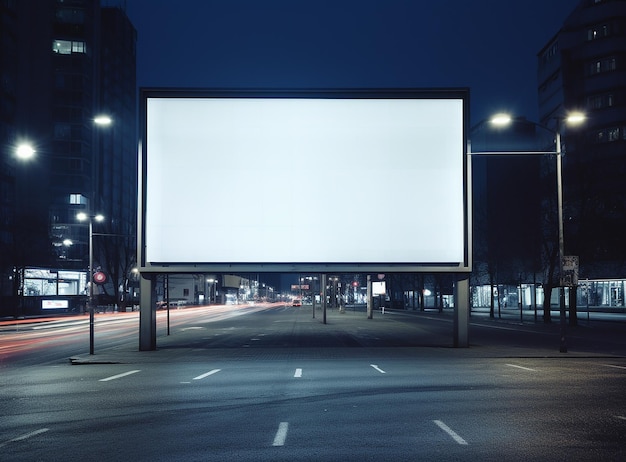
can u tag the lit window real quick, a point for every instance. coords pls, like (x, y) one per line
(78, 47)
(66, 47)
(78, 199)
(62, 47)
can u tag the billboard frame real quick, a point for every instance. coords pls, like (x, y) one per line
(147, 267)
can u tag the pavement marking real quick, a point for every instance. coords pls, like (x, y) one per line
(200, 377)
(450, 432)
(521, 367)
(616, 367)
(378, 368)
(620, 417)
(118, 376)
(25, 437)
(298, 373)
(281, 434)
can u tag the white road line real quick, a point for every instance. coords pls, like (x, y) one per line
(24, 437)
(118, 376)
(450, 432)
(620, 417)
(281, 434)
(616, 367)
(378, 368)
(298, 373)
(522, 367)
(200, 377)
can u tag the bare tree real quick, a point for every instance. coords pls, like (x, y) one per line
(117, 250)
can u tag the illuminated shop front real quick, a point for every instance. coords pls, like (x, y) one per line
(597, 294)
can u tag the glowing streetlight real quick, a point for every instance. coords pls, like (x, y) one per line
(501, 119)
(82, 216)
(24, 151)
(103, 120)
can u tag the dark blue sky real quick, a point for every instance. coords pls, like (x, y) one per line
(487, 45)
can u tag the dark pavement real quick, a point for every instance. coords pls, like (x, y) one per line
(601, 335)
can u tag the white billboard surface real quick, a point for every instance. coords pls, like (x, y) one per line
(304, 180)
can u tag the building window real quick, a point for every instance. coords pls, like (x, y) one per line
(70, 15)
(600, 101)
(78, 199)
(597, 32)
(78, 47)
(67, 47)
(550, 53)
(601, 66)
(62, 131)
(608, 135)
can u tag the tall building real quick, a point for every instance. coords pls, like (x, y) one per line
(70, 62)
(583, 67)
(8, 98)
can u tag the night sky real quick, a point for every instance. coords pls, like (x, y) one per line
(487, 45)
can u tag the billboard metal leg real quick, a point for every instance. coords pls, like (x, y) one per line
(461, 312)
(370, 301)
(147, 313)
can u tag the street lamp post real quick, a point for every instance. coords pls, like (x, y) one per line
(573, 118)
(559, 201)
(82, 216)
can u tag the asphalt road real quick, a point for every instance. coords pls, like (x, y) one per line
(274, 384)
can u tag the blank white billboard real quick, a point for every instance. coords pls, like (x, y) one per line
(301, 180)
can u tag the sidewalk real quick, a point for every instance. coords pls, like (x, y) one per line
(529, 315)
(432, 335)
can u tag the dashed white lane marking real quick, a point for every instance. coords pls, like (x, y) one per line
(25, 437)
(298, 373)
(522, 367)
(378, 368)
(281, 434)
(616, 367)
(450, 432)
(200, 377)
(620, 417)
(118, 376)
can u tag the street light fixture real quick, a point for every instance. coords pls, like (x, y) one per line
(25, 151)
(572, 118)
(82, 216)
(501, 119)
(103, 120)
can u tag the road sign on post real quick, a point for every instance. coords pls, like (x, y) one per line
(569, 278)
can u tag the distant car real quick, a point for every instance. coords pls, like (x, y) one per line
(296, 302)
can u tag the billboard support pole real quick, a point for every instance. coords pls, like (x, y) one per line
(370, 302)
(147, 313)
(324, 296)
(461, 311)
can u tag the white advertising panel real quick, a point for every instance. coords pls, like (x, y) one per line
(304, 180)
(379, 288)
(54, 304)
